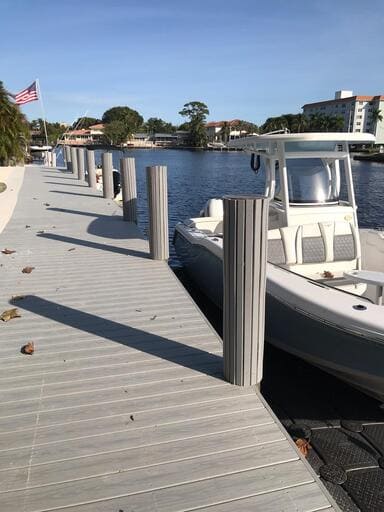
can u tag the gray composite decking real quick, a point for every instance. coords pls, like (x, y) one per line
(122, 407)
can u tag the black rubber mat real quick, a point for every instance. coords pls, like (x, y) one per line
(367, 489)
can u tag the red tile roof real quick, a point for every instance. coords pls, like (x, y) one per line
(345, 100)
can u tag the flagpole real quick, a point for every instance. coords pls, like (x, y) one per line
(42, 110)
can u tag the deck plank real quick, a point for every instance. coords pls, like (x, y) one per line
(123, 405)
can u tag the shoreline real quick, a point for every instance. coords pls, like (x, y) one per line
(376, 157)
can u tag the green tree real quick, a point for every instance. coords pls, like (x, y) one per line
(197, 113)
(54, 131)
(225, 132)
(129, 117)
(157, 125)
(116, 132)
(85, 122)
(247, 127)
(14, 131)
(376, 117)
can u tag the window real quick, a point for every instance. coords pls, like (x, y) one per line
(357, 130)
(310, 180)
(358, 123)
(360, 110)
(359, 117)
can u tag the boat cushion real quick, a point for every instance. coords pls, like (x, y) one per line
(214, 208)
(313, 243)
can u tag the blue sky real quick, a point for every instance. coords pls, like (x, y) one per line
(249, 59)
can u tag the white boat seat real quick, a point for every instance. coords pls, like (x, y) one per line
(322, 242)
(213, 208)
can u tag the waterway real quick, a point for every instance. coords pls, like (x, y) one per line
(196, 176)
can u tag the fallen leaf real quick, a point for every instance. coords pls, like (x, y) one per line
(131, 417)
(8, 251)
(9, 314)
(46, 204)
(328, 275)
(28, 349)
(15, 298)
(72, 249)
(41, 232)
(153, 317)
(27, 270)
(138, 310)
(303, 446)
(27, 226)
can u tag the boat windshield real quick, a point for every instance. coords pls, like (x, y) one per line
(310, 180)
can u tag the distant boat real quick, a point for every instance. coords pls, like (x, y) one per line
(325, 276)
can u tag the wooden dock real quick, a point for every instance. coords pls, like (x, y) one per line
(122, 407)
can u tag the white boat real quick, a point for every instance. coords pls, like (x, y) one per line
(325, 276)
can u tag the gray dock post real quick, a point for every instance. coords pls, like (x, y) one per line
(158, 212)
(80, 164)
(128, 188)
(91, 170)
(68, 158)
(106, 159)
(74, 161)
(53, 159)
(245, 257)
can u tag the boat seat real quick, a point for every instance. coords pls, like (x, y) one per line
(318, 243)
(213, 208)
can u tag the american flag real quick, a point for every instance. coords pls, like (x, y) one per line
(27, 95)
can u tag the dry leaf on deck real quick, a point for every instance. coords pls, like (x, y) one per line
(27, 270)
(9, 314)
(328, 275)
(8, 251)
(28, 349)
(72, 249)
(304, 446)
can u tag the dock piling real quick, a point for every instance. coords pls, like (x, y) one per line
(53, 159)
(91, 170)
(128, 188)
(245, 256)
(158, 212)
(74, 162)
(106, 159)
(68, 160)
(80, 164)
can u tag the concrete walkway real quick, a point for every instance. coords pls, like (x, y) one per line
(122, 407)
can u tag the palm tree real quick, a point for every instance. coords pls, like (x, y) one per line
(14, 130)
(376, 117)
(225, 132)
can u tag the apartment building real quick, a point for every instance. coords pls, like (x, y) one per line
(358, 112)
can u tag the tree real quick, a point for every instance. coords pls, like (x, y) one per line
(197, 113)
(14, 131)
(376, 117)
(156, 125)
(85, 122)
(225, 132)
(129, 117)
(116, 132)
(247, 127)
(54, 131)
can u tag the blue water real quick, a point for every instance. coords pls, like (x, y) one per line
(196, 176)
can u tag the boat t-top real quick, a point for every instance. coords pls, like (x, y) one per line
(325, 276)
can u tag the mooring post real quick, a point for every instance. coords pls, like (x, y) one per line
(128, 188)
(106, 159)
(80, 164)
(68, 158)
(75, 169)
(53, 159)
(91, 170)
(245, 257)
(158, 212)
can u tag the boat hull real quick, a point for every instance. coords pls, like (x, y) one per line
(352, 357)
